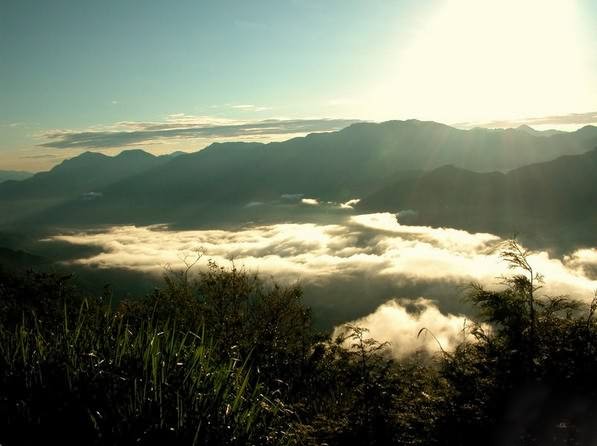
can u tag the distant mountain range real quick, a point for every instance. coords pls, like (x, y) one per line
(394, 165)
(553, 203)
(6, 175)
(87, 172)
(532, 131)
(81, 177)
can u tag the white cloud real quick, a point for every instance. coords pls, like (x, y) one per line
(353, 266)
(410, 326)
(583, 258)
(375, 245)
(350, 203)
(250, 107)
(310, 201)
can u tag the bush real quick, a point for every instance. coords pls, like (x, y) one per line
(225, 357)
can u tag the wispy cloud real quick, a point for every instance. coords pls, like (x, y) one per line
(181, 126)
(555, 120)
(41, 156)
(250, 107)
(18, 125)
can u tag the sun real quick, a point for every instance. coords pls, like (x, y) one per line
(477, 60)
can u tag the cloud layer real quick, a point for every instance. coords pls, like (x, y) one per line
(348, 268)
(366, 268)
(554, 120)
(182, 126)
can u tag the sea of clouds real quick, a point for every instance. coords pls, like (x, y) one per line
(390, 278)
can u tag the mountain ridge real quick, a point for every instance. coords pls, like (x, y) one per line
(553, 199)
(216, 184)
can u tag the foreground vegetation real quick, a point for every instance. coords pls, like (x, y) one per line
(228, 358)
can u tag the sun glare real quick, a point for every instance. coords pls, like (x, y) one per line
(481, 60)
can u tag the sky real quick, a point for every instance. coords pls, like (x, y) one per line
(168, 76)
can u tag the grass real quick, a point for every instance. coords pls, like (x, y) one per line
(119, 383)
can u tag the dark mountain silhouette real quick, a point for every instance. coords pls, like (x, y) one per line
(217, 183)
(87, 172)
(16, 175)
(82, 176)
(555, 198)
(17, 259)
(174, 154)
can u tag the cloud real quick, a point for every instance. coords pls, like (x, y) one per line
(310, 201)
(584, 260)
(252, 204)
(448, 239)
(350, 203)
(360, 261)
(415, 325)
(41, 156)
(180, 126)
(250, 107)
(555, 120)
(354, 269)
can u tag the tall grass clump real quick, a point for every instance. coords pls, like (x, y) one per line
(90, 376)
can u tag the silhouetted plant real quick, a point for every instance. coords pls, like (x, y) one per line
(225, 357)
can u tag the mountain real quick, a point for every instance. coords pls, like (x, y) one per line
(218, 183)
(554, 199)
(83, 176)
(174, 154)
(17, 259)
(15, 175)
(531, 131)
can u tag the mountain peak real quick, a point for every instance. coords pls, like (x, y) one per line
(587, 129)
(134, 153)
(397, 123)
(175, 154)
(82, 158)
(89, 155)
(534, 132)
